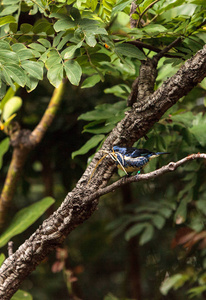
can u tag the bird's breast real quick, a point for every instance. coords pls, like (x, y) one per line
(133, 164)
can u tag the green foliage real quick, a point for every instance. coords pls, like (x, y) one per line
(4, 146)
(176, 281)
(25, 218)
(92, 44)
(2, 258)
(143, 221)
(93, 142)
(10, 107)
(104, 117)
(21, 295)
(112, 297)
(70, 38)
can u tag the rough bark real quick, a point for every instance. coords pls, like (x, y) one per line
(78, 205)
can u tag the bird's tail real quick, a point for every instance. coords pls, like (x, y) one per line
(160, 153)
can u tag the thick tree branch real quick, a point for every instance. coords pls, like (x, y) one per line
(133, 22)
(143, 85)
(23, 142)
(77, 206)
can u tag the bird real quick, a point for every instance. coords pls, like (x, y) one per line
(128, 159)
(131, 159)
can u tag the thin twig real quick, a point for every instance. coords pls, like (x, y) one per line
(166, 49)
(141, 45)
(144, 11)
(172, 166)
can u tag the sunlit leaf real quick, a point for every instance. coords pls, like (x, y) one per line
(90, 81)
(55, 74)
(4, 146)
(7, 20)
(21, 295)
(11, 106)
(130, 51)
(33, 68)
(73, 71)
(25, 218)
(93, 142)
(2, 258)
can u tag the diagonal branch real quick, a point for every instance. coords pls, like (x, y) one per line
(166, 49)
(23, 142)
(77, 206)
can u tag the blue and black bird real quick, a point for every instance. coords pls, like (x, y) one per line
(130, 159)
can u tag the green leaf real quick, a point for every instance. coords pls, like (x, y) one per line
(63, 41)
(68, 52)
(16, 73)
(147, 234)
(53, 59)
(4, 146)
(96, 115)
(120, 90)
(158, 221)
(8, 57)
(44, 42)
(11, 106)
(129, 51)
(111, 297)
(93, 142)
(199, 132)
(31, 83)
(169, 283)
(105, 112)
(64, 24)
(181, 212)
(2, 258)
(73, 71)
(176, 281)
(9, 10)
(4, 45)
(95, 129)
(25, 218)
(55, 74)
(21, 295)
(7, 20)
(183, 118)
(10, 93)
(42, 25)
(152, 28)
(90, 81)
(121, 6)
(22, 51)
(197, 291)
(37, 47)
(135, 230)
(57, 39)
(33, 68)
(26, 28)
(201, 205)
(90, 39)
